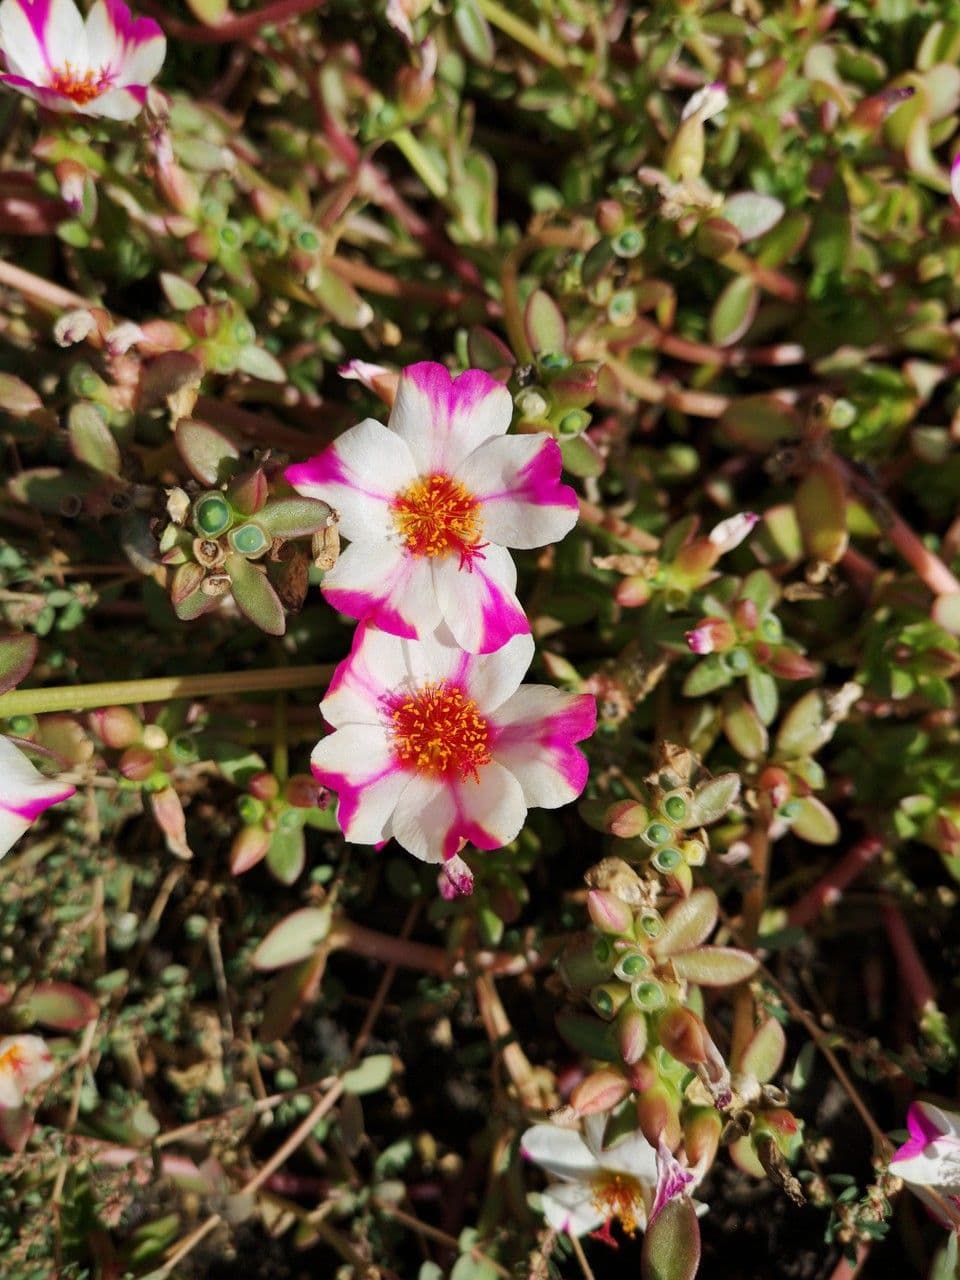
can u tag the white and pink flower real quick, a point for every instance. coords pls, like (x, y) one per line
(929, 1161)
(595, 1186)
(434, 746)
(430, 504)
(24, 794)
(25, 1062)
(101, 67)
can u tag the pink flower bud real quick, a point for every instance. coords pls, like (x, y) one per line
(137, 764)
(701, 1135)
(790, 665)
(600, 1091)
(375, 377)
(633, 592)
(632, 1032)
(746, 615)
(117, 727)
(302, 791)
(120, 339)
(608, 912)
(74, 327)
(712, 635)
(455, 879)
(264, 786)
(731, 532)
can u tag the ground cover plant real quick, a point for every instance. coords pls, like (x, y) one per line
(479, 633)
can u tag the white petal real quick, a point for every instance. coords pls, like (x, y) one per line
(424, 818)
(517, 480)
(570, 1207)
(490, 807)
(29, 1059)
(12, 828)
(561, 1152)
(24, 793)
(634, 1155)
(707, 102)
(946, 1122)
(20, 41)
(359, 475)
(926, 1169)
(115, 104)
(535, 733)
(492, 677)
(357, 762)
(378, 665)
(11, 1094)
(381, 583)
(64, 36)
(442, 419)
(131, 48)
(479, 602)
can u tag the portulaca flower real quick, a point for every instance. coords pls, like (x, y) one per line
(430, 504)
(101, 67)
(434, 746)
(25, 1062)
(929, 1161)
(596, 1186)
(24, 793)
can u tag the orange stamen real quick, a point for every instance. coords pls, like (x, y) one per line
(78, 88)
(619, 1196)
(437, 515)
(439, 730)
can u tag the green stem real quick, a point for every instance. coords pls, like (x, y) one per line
(420, 162)
(112, 693)
(281, 754)
(523, 33)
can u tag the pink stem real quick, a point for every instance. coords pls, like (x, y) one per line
(830, 888)
(912, 970)
(232, 28)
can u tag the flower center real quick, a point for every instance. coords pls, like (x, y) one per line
(439, 730)
(437, 515)
(12, 1059)
(80, 88)
(619, 1196)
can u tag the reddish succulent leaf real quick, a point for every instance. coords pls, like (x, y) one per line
(56, 1004)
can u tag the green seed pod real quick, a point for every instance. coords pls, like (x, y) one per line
(608, 998)
(667, 860)
(657, 833)
(651, 922)
(648, 995)
(628, 243)
(630, 966)
(212, 514)
(675, 806)
(250, 540)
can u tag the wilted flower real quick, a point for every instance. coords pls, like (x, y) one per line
(24, 793)
(430, 504)
(628, 1183)
(731, 532)
(929, 1161)
(434, 746)
(712, 635)
(25, 1062)
(100, 67)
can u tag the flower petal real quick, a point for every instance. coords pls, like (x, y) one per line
(359, 475)
(24, 793)
(491, 678)
(357, 763)
(38, 36)
(673, 1179)
(535, 731)
(561, 1152)
(376, 666)
(490, 807)
(424, 819)
(29, 1059)
(570, 1207)
(478, 602)
(380, 583)
(517, 480)
(131, 48)
(635, 1156)
(123, 103)
(443, 419)
(48, 98)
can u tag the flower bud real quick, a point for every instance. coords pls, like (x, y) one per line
(74, 327)
(731, 532)
(658, 1113)
(609, 913)
(600, 1091)
(626, 819)
(776, 782)
(250, 845)
(117, 727)
(381, 381)
(632, 1032)
(609, 216)
(248, 493)
(302, 791)
(683, 1035)
(633, 592)
(264, 786)
(701, 1135)
(746, 614)
(137, 764)
(712, 635)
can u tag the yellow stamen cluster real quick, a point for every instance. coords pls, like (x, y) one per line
(80, 88)
(439, 730)
(437, 515)
(619, 1196)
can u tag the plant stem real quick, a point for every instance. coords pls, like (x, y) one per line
(913, 972)
(234, 27)
(754, 901)
(830, 888)
(111, 693)
(421, 163)
(523, 33)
